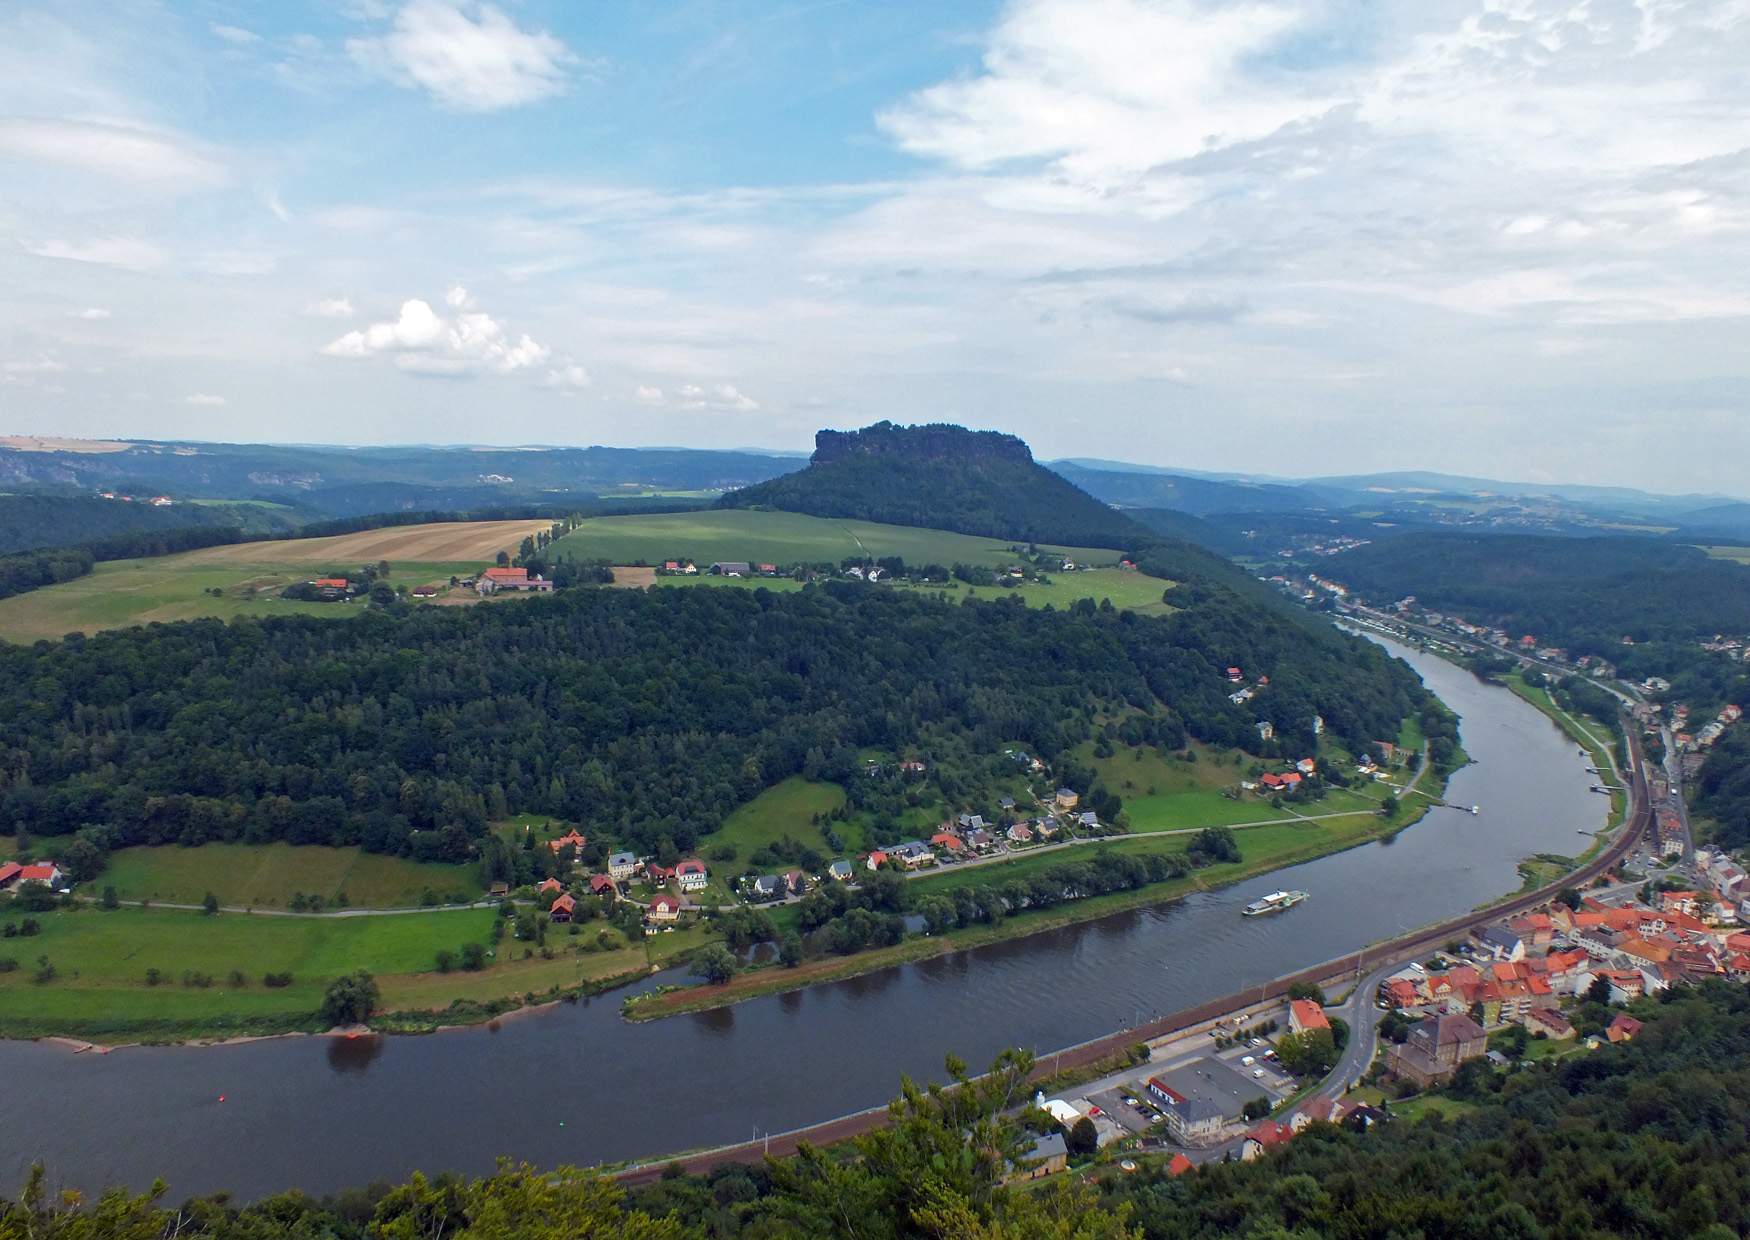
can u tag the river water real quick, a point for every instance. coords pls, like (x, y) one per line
(577, 1084)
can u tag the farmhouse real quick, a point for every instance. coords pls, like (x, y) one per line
(577, 842)
(495, 579)
(330, 588)
(13, 875)
(731, 568)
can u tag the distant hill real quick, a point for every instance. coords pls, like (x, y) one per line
(33, 520)
(942, 477)
(1199, 496)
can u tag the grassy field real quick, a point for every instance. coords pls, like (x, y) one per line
(101, 960)
(783, 810)
(780, 537)
(1738, 555)
(268, 875)
(248, 577)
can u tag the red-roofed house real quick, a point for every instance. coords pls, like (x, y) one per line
(562, 908)
(47, 873)
(601, 885)
(1402, 992)
(1264, 1138)
(551, 884)
(495, 579)
(691, 874)
(875, 860)
(1623, 1028)
(9, 871)
(572, 838)
(664, 908)
(1305, 1014)
(948, 840)
(1179, 1164)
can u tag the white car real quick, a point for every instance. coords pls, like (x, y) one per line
(1248, 1060)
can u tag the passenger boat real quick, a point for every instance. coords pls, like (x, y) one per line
(1275, 902)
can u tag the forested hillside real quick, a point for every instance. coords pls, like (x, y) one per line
(942, 477)
(648, 715)
(33, 520)
(1582, 593)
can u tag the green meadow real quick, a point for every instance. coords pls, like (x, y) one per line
(781, 538)
(268, 875)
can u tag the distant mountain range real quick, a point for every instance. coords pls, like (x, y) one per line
(318, 481)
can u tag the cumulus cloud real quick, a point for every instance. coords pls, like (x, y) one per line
(155, 158)
(570, 377)
(206, 399)
(471, 57)
(124, 252)
(647, 395)
(467, 341)
(236, 36)
(91, 314)
(718, 398)
(330, 308)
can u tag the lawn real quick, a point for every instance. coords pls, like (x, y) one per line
(781, 538)
(268, 875)
(248, 577)
(1162, 792)
(783, 810)
(1424, 1105)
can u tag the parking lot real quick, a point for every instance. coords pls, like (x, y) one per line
(1222, 1078)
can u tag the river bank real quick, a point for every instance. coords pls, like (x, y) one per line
(1288, 844)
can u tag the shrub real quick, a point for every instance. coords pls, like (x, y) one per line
(276, 981)
(154, 976)
(8, 964)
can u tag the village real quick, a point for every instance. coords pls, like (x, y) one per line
(1562, 979)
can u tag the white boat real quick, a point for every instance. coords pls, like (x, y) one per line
(1475, 810)
(1275, 902)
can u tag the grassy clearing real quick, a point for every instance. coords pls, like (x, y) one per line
(268, 875)
(1424, 1105)
(785, 810)
(1128, 591)
(248, 577)
(780, 537)
(1738, 555)
(121, 593)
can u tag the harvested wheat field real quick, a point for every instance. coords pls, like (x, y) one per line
(448, 542)
(246, 579)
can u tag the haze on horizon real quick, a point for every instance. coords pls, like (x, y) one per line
(1295, 237)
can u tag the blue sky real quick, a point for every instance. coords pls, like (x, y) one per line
(1502, 237)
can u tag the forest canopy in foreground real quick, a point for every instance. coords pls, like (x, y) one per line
(647, 715)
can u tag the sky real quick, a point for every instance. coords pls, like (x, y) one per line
(1495, 237)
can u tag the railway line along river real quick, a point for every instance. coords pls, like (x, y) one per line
(577, 1084)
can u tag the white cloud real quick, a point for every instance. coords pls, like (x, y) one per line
(571, 377)
(236, 36)
(718, 398)
(41, 364)
(330, 308)
(647, 395)
(150, 157)
(206, 399)
(91, 314)
(471, 57)
(123, 252)
(468, 342)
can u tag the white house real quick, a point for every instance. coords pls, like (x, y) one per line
(691, 874)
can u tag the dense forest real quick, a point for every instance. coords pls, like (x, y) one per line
(1647, 1138)
(34, 520)
(1586, 594)
(1722, 790)
(648, 716)
(942, 477)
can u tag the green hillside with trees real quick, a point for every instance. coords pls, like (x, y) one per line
(649, 716)
(942, 477)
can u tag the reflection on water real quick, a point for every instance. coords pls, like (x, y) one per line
(836, 1048)
(355, 1053)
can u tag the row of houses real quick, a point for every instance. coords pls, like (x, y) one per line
(511, 580)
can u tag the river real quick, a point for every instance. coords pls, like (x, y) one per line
(577, 1084)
